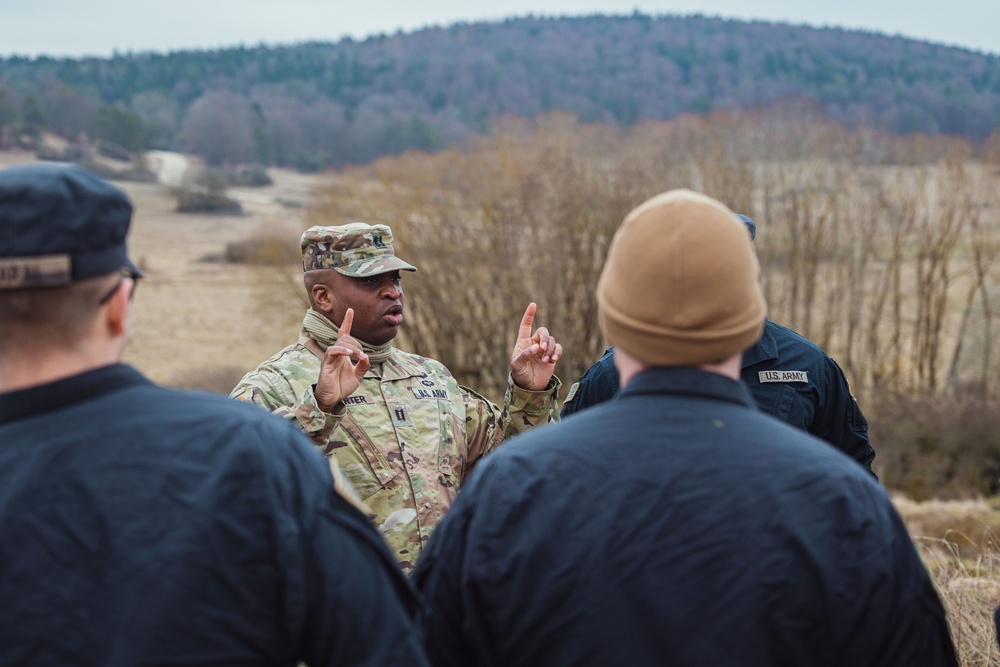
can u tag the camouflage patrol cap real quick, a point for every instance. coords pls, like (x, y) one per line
(356, 249)
(59, 224)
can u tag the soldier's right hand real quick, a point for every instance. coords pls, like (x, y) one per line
(339, 377)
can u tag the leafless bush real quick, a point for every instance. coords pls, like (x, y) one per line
(204, 191)
(881, 249)
(250, 176)
(263, 248)
(274, 252)
(938, 446)
(508, 222)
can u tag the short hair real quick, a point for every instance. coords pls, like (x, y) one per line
(50, 315)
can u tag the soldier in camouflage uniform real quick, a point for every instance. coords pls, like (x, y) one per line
(402, 429)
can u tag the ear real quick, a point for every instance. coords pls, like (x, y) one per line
(116, 317)
(322, 298)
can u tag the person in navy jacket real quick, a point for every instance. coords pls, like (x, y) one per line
(141, 525)
(677, 524)
(790, 378)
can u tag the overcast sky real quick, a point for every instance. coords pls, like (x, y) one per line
(101, 27)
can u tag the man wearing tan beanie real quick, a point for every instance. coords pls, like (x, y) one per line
(789, 377)
(677, 524)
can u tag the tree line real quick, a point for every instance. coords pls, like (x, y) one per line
(315, 105)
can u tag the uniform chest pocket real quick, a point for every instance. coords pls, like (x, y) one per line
(454, 449)
(792, 405)
(781, 407)
(360, 459)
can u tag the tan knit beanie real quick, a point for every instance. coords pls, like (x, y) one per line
(679, 287)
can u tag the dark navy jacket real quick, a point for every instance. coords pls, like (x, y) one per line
(676, 525)
(141, 525)
(790, 378)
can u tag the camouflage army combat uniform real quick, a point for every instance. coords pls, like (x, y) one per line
(408, 436)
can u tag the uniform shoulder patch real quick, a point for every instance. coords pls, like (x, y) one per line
(572, 392)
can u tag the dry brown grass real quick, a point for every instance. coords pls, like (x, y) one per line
(960, 543)
(195, 312)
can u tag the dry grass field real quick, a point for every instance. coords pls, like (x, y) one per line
(201, 322)
(960, 543)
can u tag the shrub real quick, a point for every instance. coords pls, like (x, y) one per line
(264, 249)
(249, 176)
(944, 446)
(204, 191)
(70, 153)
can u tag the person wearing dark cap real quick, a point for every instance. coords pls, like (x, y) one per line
(142, 525)
(403, 430)
(790, 378)
(677, 524)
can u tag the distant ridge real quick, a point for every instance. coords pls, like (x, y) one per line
(316, 104)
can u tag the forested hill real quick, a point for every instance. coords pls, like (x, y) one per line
(317, 104)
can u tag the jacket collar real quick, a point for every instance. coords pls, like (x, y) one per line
(69, 391)
(402, 365)
(766, 349)
(688, 382)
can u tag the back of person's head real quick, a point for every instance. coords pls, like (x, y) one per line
(679, 287)
(62, 244)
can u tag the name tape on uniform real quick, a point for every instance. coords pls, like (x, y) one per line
(358, 400)
(784, 376)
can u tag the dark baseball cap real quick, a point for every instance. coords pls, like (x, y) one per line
(59, 224)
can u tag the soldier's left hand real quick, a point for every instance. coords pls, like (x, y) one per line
(535, 354)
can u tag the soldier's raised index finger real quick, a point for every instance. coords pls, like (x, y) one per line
(345, 327)
(524, 331)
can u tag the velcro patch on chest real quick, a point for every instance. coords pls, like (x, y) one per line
(429, 392)
(400, 414)
(784, 376)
